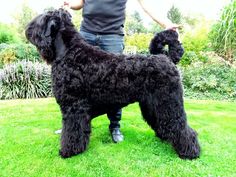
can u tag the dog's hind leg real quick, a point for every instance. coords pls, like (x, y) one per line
(76, 128)
(164, 112)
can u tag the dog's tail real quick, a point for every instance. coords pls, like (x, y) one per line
(170, 38)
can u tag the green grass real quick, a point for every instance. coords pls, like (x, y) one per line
(29, 147)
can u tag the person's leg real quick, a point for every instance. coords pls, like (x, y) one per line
(113, 44)
(89, 37)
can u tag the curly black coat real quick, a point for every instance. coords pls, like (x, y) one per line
(88, 82)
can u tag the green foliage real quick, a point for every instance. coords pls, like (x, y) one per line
(223, 33)
(7, 35)
(141, 41)
(16, 52)
(195, 43)
(154, 28)
(25, 80)
(134, 24)
(77, 18)
(174, 15)
(7, 55)
(188, 58)
(26, 51)
(209, 80)
(196, 40)
(190, 20)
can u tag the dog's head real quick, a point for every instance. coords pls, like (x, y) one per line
(43, 29)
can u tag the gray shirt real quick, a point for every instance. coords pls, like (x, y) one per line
(104, 16)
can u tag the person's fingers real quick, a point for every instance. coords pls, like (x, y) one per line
(179, 26)
(66, 3)
(171, 28)
(174, 27)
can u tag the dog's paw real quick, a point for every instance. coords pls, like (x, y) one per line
(191, 153)
(67, 154)
(188, 146)
(64, 155)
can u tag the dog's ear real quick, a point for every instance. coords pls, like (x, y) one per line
(51, 28)
(65, 17)
(48, 35)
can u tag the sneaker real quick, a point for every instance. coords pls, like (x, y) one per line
(116, 135)
(58, 131)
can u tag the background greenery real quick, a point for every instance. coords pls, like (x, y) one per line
(29, 146)
(208, 64)
(25, 79)
(223, 33)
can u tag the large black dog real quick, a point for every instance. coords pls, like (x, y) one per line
(88, 82)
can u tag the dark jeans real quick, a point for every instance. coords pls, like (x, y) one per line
(111, 43)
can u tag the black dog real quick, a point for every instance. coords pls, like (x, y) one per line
(88, 82)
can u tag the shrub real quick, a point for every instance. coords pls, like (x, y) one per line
(26, 51)
(25, 80)
(7, 55)
(188, 58)
(192, 56)
(210, 79)
(7, 35)
(196, 40)
(195, 43)
(16, 52)
(223, 33)
(141, 41)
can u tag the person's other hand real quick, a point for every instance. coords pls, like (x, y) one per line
(172, 26)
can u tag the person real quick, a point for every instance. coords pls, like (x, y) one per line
(103, 26)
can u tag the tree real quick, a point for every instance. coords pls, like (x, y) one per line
(134, 24)
(23, 18)
(174, 15)
(154, 28)
(190, 20)
(8, 34)
(223, 34)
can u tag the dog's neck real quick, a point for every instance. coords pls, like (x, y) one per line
(70, 38)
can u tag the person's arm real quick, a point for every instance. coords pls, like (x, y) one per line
(165, 23)
(75, 4)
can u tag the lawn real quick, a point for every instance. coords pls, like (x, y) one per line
(29, 147)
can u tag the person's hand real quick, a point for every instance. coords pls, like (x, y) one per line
(66, 4)
(172, 26)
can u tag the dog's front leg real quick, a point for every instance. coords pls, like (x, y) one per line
(76, 129)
